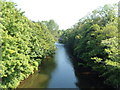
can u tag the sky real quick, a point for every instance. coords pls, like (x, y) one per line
(64, 12)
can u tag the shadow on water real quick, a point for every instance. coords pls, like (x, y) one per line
(40, 78)
(87, 79)
(62, 71)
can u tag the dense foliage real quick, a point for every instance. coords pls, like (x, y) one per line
(94, 40)
(24, 45)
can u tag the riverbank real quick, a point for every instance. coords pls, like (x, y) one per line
(85, 72)
(62, 71)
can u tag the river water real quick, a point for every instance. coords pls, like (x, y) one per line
(60, 72)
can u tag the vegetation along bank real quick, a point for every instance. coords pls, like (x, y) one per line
(94, 41)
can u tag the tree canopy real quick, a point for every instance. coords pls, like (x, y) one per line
(94, 40)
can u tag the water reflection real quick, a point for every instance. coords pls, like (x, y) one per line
(87, 79)
(63, 75)
(62, 71)
(40, 78)
(54, 73)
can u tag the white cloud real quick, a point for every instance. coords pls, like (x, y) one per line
(65, 12)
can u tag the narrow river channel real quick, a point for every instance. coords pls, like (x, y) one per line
(60, 72)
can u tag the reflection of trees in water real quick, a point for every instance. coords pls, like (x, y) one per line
(47, 68)
(48, 65)
(40, 79)
(86, 78)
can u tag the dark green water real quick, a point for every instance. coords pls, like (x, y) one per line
(60, 72)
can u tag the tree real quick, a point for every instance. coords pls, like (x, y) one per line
(51, 25)
(94, 41)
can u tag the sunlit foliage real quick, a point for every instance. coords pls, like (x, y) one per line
(24, 45)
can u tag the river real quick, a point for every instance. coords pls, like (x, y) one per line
(60, 72)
